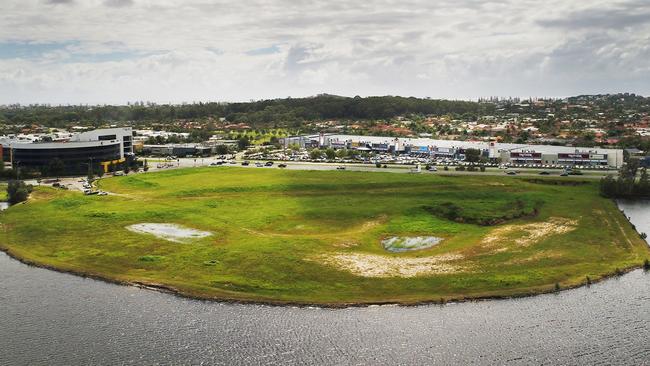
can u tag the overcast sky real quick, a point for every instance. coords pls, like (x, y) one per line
(115, 51)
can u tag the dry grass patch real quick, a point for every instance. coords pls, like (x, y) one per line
(532, 233)
(371, 265)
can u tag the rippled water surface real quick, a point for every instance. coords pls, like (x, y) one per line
(53, 318)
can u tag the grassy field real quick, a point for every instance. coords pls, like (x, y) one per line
(315, 236)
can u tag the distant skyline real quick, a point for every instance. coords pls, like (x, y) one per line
(119, 51)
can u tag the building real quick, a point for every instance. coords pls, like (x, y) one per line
(451, 149)
(178, 150)
(123, 134)
(99, 148)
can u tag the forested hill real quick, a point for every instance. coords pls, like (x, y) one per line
(289, 111)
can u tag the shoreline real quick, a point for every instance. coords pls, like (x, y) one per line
(343, 305)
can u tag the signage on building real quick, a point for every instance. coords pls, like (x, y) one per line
(525, 155)
(573, 156)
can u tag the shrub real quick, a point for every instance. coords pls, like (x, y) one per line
(378, 165)
(646, 264)
(18, 191)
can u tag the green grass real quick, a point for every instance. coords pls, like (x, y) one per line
(275, 232)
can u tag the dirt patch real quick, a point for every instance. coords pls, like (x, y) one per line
(371, 265)
(398, 244)
(532, 233)
(171, 232)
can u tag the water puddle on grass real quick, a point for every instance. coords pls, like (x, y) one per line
(399, 244)
(171, 232)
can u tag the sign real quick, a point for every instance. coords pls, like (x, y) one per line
(525, 155)
(573, 156)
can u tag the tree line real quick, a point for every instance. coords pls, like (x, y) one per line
(272, 112)
(627, 184)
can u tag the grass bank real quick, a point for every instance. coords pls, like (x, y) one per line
(315, 236)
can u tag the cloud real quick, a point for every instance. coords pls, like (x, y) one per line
(172, 50)
(59, 2)
(118, 3)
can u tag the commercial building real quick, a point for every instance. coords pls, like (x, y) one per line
(179, 150)
(100, 148)
(504, 152)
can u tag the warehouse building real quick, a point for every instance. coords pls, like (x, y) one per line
(504, 152)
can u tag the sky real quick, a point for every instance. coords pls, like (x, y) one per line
(173, 51)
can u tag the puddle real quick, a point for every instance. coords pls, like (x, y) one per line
(398, 244)
(171, 232)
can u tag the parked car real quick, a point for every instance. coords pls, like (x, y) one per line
(340, 167)
(432, 169)
(102, 193)
(259, 165)
(282, 165)
(544, 173)
(118, 174)
(245, 163)
(511, 172)
(90, 193)
(268, 163)
(565, 174)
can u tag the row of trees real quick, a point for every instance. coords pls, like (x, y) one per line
(627, 184)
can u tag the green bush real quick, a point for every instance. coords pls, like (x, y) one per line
(18, 191)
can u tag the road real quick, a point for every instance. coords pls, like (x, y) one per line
(392, 168)
(75, 184)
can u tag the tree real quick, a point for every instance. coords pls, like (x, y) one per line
(91, 174)
(145, 167)
(642, 187)
(18, 191)
(221, 149)
(243, 143)
(330, 153)
(472, 155)
(56, 167)
(342, 153)
(315, 154)
(629, 169)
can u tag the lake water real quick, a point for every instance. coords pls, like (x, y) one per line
(58, 319)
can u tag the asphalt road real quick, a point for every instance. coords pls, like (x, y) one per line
(525, 172)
